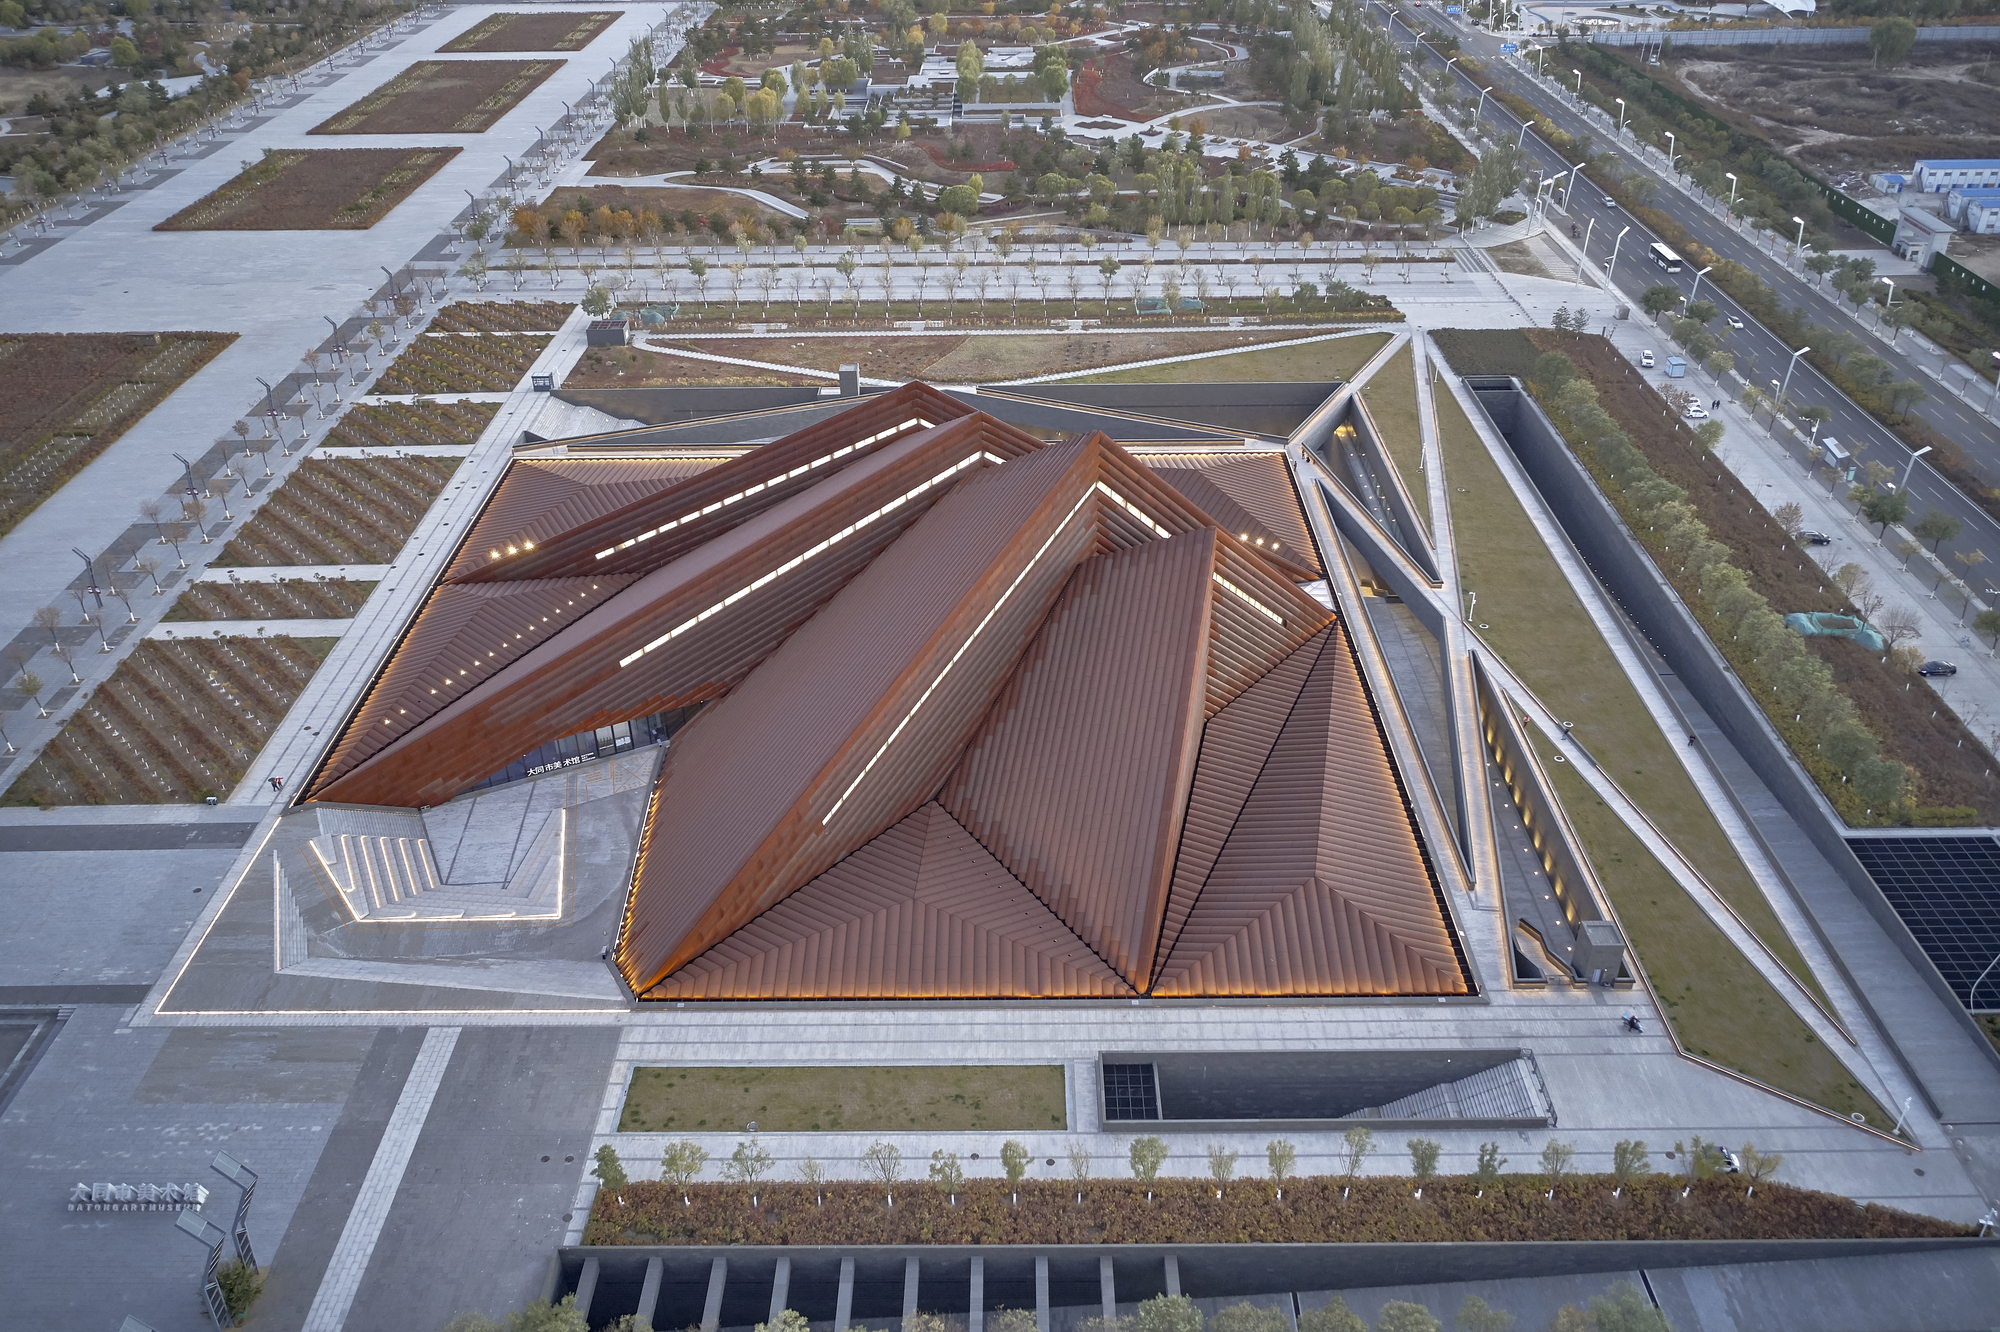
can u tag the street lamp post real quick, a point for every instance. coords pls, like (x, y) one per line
(1579, 83)
(1569, 190)
(1911, 465)
(1621, 117)
(1672, 147)
(1611, 269)
(395, 289)
(1732, 190)
(1697, 283)
(1584, 256)
(1522, 137)
(339, 347)
(1799, 246)
(1788, 371)
(1887, 306)
(1480, 110)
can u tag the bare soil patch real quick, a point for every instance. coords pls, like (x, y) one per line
(1516, 257)
(1832, 109)
(64, 397)
(678, 202)
(399, 425)
(533, 32)
(287, 599)
(452, 363)
(340, 511)
(501, 317)
(313, 189)
(443, 97)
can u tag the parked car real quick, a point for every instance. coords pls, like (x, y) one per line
(1696, 413)
(1937, 668)
(1812, 538)
(1734, 322)
(1645, 360)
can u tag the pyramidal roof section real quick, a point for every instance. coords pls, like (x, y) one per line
(682, 634)
(543, 497)
(920, 912)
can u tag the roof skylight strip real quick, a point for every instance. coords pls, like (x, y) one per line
(821, 548)
(748, 491)
(963, 649)
(1133, 509)
(1249, 600)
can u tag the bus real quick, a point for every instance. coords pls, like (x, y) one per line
(1666, 258)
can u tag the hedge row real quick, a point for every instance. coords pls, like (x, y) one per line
(1185, 1211)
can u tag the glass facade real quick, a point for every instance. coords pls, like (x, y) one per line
(617, 738)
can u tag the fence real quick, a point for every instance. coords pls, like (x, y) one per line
(1781, 36)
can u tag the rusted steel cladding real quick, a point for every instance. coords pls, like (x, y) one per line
(921, 912)
(1247, 493)
(542, 498)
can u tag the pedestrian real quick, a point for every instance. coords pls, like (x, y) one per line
(1632, 1023)
(277, 783)
(1690, 738)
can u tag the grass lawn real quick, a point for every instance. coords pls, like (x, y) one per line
(1391, 395)
(856, 1100)
(1314, 362)
(1536, 623)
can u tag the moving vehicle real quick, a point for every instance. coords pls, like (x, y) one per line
(1572, 231)
(1645, 360)
(1937, 668)
(1664, 257)
(1812, 538)
(1734, 322)
(1610, 202)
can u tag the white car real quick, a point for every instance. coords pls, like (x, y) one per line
(1734, 322)
(1696, 413)
(1610, 202)
(1645, 360)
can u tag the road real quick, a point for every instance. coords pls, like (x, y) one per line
(1761, 356)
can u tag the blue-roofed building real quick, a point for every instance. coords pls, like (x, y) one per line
(1982, 215)
(1939, 174)
(1955, 202)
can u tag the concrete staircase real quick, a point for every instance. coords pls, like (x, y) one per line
(380, 864)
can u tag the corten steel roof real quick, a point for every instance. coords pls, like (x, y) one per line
(988, 717)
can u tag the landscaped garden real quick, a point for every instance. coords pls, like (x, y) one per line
(532, 32)
(398, 425)
(443, 97)
(1721, 1005)
(177, 721)
(1391, 398)
(317, 189)
(65, 397)
(456, 363)
(857, 1099)
(340, 511)
(1690, 1200)
(501, 317)
(284, 599)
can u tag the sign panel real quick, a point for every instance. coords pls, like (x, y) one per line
(1508, 48)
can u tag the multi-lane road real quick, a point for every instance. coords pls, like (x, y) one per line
(1760, 355)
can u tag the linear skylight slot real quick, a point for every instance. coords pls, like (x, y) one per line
(810, 553)
(1133, 509)
(963, 648)
(1248, 600)
(748, 491)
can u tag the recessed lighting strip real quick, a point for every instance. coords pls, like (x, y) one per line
(748, 491)
(809, 553)
(963, 649)
(1133, 509)
(1248, 600)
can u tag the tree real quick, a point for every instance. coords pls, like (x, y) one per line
(1988, 622)
(1937, 527)
(788, 1320)
(1905, 394)
(1629, 1161)
(1707, 435)
(1899, 626)
(1221, 1165)
(1658, 299)
(1558, 1159)
(749, 1163)
(971, 64)
(1760, 1166)
(1552, 370)
(31, 685)
(1890, 39)
(1791, 518)
(1359, 1142)
(1283, 1158)
(1333, 1316)
(946, 1172)
(1699, 1160)
(596, 302)
(1079, 1163)
(1490, 1161)
(682, 1164)
(1883, 507)
(1476, 1315)
(609, 1168)
(1168, 1313)
(1423, 1160)
(1402, 1316)
(1148, 1154)
(1013, 1160)
(1249, 1318)
(883, 1163)
(1623, 1308)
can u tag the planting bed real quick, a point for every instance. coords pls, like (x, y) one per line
(443, 97)
(450, 363)
(852, 1098)
(340, 511)
(533, 32)
(64, 397)
(291, 599)
(400, 425)
(177, 721)
(313, 189)
(1186, 1211)
(501, 317)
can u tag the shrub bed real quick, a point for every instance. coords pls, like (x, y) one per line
(340, 511)
(452, 363)
(322, 189)
(1185, 1211)
(532, 32)
(287, 599)
(442, 97)
(392, 425)
(501, 317)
